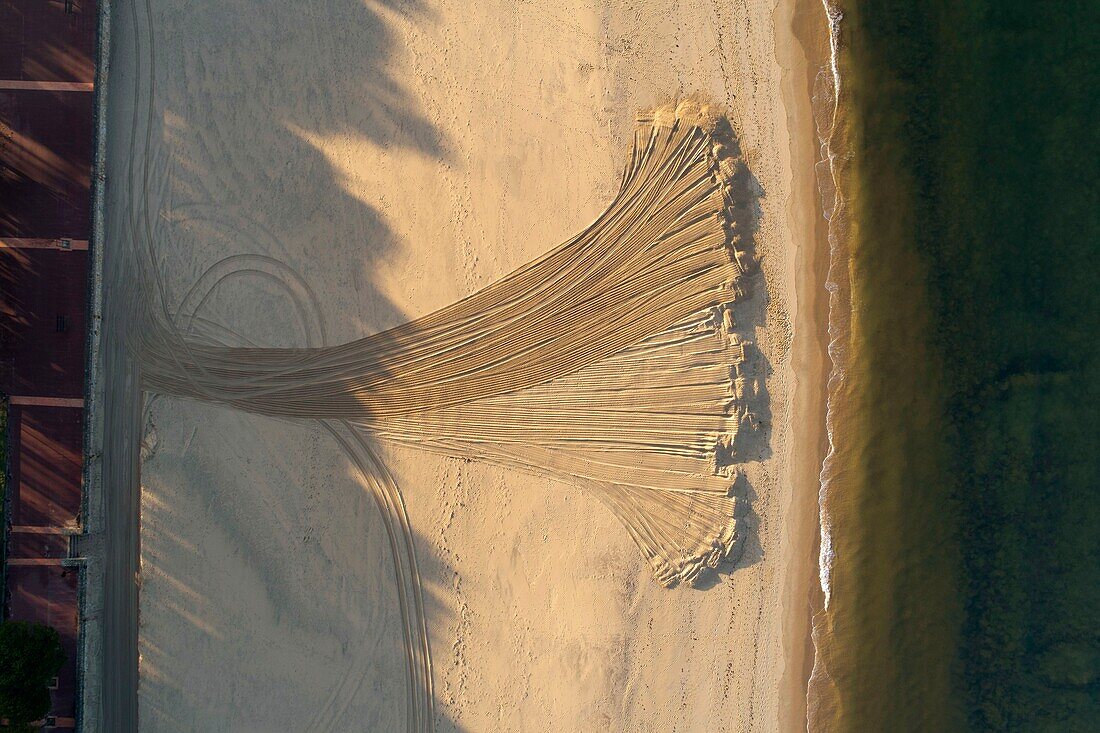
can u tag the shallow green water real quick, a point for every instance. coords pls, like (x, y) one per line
(968, 542)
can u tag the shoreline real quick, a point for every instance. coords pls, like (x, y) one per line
(802, 51)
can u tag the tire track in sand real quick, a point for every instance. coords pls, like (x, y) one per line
(384, 490)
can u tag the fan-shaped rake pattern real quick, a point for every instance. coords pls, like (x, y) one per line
(609, 362)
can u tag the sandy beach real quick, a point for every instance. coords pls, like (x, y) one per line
(316, 176)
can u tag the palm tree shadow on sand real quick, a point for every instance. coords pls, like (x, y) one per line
(213, 196)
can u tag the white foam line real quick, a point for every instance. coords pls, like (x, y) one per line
(832, 208)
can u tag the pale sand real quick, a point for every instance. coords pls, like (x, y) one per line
(398, 160)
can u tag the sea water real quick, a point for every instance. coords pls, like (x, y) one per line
(960, 549)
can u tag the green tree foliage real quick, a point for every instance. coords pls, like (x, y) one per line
(30, 656)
